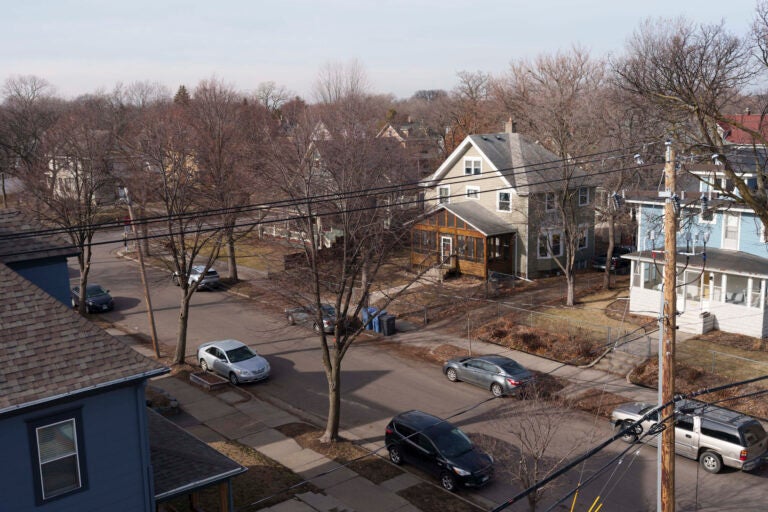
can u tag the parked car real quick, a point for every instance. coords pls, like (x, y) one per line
(233, 360)
(437, 447)
(308, 313)
(498, 374)
(206, 282)
(618, 264)
(97, 299)
(713, 435)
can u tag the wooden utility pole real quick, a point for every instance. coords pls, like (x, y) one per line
(667, 350)
(143, 273)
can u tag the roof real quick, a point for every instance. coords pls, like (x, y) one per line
(718, 260)
(525, 165)
(225, 344)
(17, 243)
(182, 462)
(482, 219)
(47, 351)
(754, 122)
(419, 420)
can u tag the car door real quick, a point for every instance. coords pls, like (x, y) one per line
(686, 438)
(425, 455)
(487, 374)
(472, 372)
(220, 364)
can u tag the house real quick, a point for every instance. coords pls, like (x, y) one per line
(423, 146)
(493, 206)
(76, 431)
(722, 263)
(35, 253)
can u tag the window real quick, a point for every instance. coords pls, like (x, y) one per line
(472, 166)
(549, 201)
(550, 245)
(444, 195)
(57, 447)
(583, 237)
(583, 196)
(505, 202)
(473, 192)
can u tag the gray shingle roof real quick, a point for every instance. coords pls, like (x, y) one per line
(182, 462)
(15, 246)
(527, 165)
(482, 219)
(47, 350)
(718, 260)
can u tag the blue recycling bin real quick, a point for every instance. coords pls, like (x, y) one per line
(367, 314)
(378, 324)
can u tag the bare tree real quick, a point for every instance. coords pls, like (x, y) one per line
(272, 96)
(337, 81)
(189, 237)
(556, 99)
(328, 185)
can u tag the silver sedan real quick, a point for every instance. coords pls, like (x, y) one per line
(498, 374)
(233, 360)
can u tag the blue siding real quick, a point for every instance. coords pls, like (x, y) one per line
(116, 456)
(52, 275)
(652, 218)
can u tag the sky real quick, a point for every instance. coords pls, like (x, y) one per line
(85, 46)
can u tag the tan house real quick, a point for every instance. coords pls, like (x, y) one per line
(494, 205)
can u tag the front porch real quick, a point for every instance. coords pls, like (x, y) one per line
(725, 291)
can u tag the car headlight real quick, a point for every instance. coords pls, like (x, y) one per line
(461, 472)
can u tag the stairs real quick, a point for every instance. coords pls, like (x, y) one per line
(619, 363)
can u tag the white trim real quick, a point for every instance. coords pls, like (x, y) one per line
(737, 239)
(454, 157)
(471, 188)
(440, 197)
(578, 192)
(75, 453)
(498, 200)
(474, 170)
(546, 202)
(548, 234)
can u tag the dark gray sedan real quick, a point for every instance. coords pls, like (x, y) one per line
(498, 374)
(96, 298)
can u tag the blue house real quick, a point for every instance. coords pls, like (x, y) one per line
(722, 262)
(77, 434)
(35, 254)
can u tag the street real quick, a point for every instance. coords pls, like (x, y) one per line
(380, 383)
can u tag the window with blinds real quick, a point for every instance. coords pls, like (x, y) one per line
(58, 458)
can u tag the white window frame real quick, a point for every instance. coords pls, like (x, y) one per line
(473, 166)
(586, 198)
(498, 201)
(473, 192)
(549, 202)
(443, 199)
(582, 229)
(547, 235)
(75, 452)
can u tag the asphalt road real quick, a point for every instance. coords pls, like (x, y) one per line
(379, 383)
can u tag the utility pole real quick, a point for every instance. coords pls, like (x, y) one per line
(667, 349)
(143, 273)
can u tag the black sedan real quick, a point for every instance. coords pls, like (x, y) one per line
(498, 374)
(97, 299)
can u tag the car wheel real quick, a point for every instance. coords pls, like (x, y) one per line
(88, 309)
(630, 436)
(233, 379)
(394, 455)
(291, 320)
(204, 365)
(74, 303)
(316, 328)
(711, 462)
(448, 482)
(451, 374)
(497, 390)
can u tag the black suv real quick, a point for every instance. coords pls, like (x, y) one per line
(437, 447)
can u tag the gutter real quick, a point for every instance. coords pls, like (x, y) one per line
(199, 484)
(142, 376)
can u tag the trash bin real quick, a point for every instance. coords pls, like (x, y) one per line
(377, 324)
(388, 325)
(367, 314)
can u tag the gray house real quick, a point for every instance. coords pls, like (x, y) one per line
(506, 190)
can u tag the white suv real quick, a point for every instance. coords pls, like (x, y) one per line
(207, 281)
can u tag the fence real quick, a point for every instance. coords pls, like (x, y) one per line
(731, 365)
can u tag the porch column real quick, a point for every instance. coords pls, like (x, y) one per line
(749, 292)
(723, 285)
(762, 295)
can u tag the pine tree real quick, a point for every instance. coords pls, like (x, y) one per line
(182, 96)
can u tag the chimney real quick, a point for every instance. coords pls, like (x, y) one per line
(510, 126)
(747, 111)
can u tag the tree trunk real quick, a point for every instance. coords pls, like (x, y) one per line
(231, 259)
(181, 340)
(571, 289)
(609, 252)
(334, 402)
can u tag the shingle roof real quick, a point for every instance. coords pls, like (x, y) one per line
(16, 246)
(718, 260)
(527, 165)
(482, 219)
(182, 462)
(47, 350)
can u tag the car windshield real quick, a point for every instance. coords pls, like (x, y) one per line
(753, 433)
(328, 310)
(512, 367)
(94, 290)
(240, 354)
(451, 442)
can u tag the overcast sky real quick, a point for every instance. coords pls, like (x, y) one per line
(82, 46)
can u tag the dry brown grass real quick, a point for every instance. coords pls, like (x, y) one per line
(427, 498)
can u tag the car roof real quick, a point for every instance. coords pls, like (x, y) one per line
(200, 268)
(499, 360)
(419, 420)
(226, 344)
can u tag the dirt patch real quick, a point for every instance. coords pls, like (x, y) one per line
(597, 402)
(427, 498)
(265, 478)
